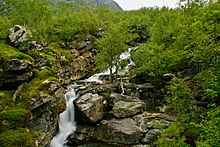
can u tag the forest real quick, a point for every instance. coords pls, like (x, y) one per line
(183, 42)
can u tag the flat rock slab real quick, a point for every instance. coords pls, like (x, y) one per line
(123, 109)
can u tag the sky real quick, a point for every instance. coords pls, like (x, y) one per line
(137, 4)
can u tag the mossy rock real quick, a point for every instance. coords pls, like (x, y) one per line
(7, 53)
(39, 85)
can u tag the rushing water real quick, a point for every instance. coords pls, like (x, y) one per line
(124, 56)
(67, 123)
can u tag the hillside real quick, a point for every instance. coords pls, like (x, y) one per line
(106, 3)
(170, 96)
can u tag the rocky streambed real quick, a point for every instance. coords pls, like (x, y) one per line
(35, 80)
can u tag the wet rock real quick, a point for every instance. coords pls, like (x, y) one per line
(90, 106)
(18, 35)
(45, 112)
(82, 135)
(123, 131)
(123, 109)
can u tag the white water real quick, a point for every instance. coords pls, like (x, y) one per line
(124, 56)
(67, 123)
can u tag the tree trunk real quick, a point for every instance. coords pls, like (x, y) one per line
(111, 75)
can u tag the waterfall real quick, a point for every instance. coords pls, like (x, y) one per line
(124, 56)
(67, 122)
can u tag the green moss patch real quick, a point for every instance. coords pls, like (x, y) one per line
(36, 87)
(7, 52)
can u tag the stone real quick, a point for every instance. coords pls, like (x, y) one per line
(119, 132)
(90, 106)
(18, 35)
(44, 112)
(168, 76)
(151, 136)
(41, 61)
(17, 65)
(123, 109)
(123, 131)
(15, 72)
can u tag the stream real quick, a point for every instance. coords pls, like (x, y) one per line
(67, 123)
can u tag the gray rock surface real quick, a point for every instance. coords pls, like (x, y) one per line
(115, 131)
(18, 35)
(90, 106)
(15, 72)
(123, 109)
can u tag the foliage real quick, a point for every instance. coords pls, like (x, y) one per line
(17, 138)
(172, 137)
(183, 41)
(111, 45)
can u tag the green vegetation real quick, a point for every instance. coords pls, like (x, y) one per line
(17, 138)
(111, 46)
(184, 41)
(7, 53)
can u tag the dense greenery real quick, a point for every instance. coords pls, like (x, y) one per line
(184, 41)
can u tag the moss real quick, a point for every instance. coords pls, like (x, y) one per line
(39, 85)
(7, 52)
(6, 99)
(17, 138)
(14, 118)
(13, 115)
(55, 51)
(58, 108)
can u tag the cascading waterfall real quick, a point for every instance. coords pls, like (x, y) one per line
(67, 123)
(124, 56)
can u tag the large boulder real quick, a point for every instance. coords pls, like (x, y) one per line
(123, 131)
(118, 132)
(123, 109)
(18, 36)
(90, 106)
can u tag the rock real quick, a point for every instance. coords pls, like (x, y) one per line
(123, 131)
(38, 45)
(168, 77)
(123, 109)
(17, 65)
(18, 35)
(41, 61)
(151, 136)
(90, 106)
(15, 72)
(119, 97)
(82, 135)
(45, 109)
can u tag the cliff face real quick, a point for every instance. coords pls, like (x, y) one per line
(106, 3)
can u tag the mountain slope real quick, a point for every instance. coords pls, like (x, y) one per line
(111, 4)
